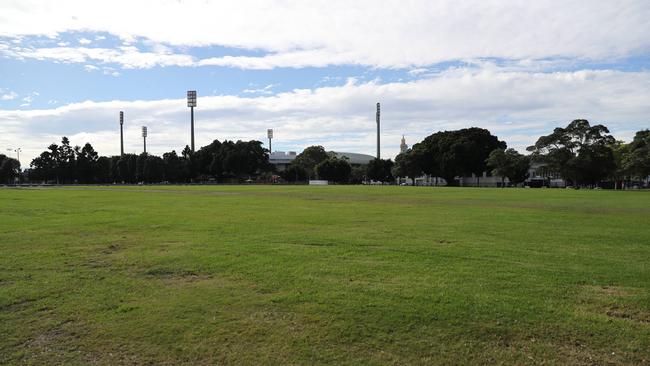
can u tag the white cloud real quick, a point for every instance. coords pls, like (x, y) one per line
(128, 57)
(27, 101)
(110, 71)
(9, 96)
(317, 33)
(267, 90)
(418, 71)
(516, 106)
(85, 41)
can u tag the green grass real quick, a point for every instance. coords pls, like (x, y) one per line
(323, 275)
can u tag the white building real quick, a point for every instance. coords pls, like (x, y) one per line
(403, 146)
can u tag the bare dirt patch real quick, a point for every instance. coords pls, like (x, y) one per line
(614, 302)
(635, 315)
(175, 276)
(612, 291)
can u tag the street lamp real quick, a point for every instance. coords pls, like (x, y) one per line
(191, 102)
(144, 137)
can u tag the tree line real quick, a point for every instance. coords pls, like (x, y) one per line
(579, 153)
(223, 161)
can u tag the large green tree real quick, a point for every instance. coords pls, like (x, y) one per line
(295, 173)
(309, 158)
(9, 169)
(334, 169)
(380, 170)
(509, 164)
(636, 159)
(86, 164)
(46, 166)
(579, 153)
(228, 159)
(407, 164)
(66, 163)
(153, 170)
(177, 168)
(450, 154)
(359, 174)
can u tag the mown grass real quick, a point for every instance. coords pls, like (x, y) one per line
(323, 275)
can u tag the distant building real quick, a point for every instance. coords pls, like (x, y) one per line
(354, 159)
(281, 159)
(540, 176)
(403, 146)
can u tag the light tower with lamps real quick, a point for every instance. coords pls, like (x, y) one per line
(17, 151)
(378, 119)
(269, 134)
(144, 137)
(121, 134)
(191, 102)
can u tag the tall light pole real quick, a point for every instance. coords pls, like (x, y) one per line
(144, 137)
(269, 134)
(121, 134)
(191, 102)
(17, 151)
(378, 142)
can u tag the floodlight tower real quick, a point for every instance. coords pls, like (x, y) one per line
(378, 122)
(121, 133)
(269, 134)
(144, 137)
(191, 102)
(17, 151)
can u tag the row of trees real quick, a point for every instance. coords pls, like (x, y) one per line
(580, 153)
(227, 160)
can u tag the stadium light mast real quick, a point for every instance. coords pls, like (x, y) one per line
(269, 134)
(17, 151)
(378, 123)
(144, 138)
(121, 134)
(191, 102)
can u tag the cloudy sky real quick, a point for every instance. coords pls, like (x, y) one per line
(313, 70)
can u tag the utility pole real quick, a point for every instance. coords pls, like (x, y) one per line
(144, 137)
(191, 102)
(121, 134)
(378, 141)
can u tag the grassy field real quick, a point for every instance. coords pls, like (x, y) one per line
(323, 275)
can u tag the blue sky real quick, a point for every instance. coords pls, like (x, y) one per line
(314, 70)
